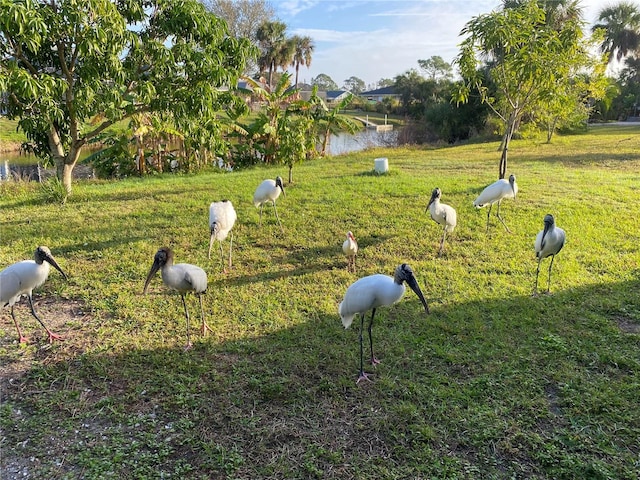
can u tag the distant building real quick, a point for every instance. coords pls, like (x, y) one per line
(380, 94)
(335, 96)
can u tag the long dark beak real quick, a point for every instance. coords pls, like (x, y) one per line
(413, 283)
(214, 229)
(547, 227)
(154, 268)
(283, 192)
(52, 261)
(433, 197)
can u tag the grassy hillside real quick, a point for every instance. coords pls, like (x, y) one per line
(494, 383)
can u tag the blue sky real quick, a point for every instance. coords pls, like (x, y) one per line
(374, 39)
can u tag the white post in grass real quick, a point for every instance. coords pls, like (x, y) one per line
(381, 165)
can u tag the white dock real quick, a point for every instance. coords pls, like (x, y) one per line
(374, 126)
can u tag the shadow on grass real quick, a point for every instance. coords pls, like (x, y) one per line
(309, 259)
(531, 372)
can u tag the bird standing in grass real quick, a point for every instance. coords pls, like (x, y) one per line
(442, 214)
(350, 249)
(495, 192)
(269, 191)
(371, 292)
(549, 242)
(182, 277)
(21, 278)
(222, 217)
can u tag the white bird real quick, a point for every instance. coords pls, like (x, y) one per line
(495, 193)
(268, 191)
(442, 214)
(21, 278)
(182, 277)
(350, 249)
(372, 292)
(222, 217)
(549, 242)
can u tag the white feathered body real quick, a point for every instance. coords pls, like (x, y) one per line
(443, 214)
(184, 278)
(224, 216)
(496, 192)
(350, 246)
(552, 243)
(369, 292)
(266, 192)
(20, 279)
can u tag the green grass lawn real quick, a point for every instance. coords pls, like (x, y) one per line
(9, 135)
(494, 383)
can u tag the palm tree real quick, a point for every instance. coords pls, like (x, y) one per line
(557, 12)
(302, 50)
(621, 23)
(274, 47)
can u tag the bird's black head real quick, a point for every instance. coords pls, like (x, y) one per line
(435, 194)
(43, 254)
(548, 219)
(549, 223)
(404, 273)
(164, 256)
(280, 184)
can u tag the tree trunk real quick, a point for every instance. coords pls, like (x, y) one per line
(511, 125)
(325, 143)
(140, 154)
(551, 128)
(291, 173)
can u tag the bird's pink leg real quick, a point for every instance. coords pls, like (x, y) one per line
(205, 327)
(52, 336)
(363, 376)
(23, 339)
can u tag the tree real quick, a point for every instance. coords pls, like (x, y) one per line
(243, 18)
(436, 68)
(329, 121)
(530, 62)
(621, 24)
(276, 50)
(324, 82)
(354, 85)
(385, 82)
(71, 70)
(302, 50)
(268, 124)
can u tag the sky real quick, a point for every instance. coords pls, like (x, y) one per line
(375, 39)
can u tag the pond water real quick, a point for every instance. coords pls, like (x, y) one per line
(23, 166)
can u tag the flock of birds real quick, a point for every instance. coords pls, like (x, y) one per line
(367, 293)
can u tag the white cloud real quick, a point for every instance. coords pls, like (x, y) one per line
(405, 32)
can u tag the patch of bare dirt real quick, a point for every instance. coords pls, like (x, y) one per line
(63, 316)
(626, 325)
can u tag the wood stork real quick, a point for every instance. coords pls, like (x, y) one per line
(371, 292)
(182, 277)
(549, 242)
(495, 193)
(222, 217)
(21, 278)
(442, 214)
(350, 249)
(268, 191)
